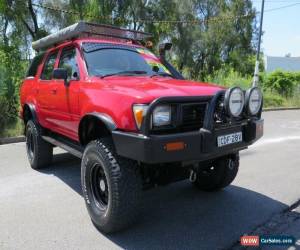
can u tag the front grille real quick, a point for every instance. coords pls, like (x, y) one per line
(186, 117)
(192, 116)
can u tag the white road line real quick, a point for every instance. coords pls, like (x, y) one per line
(12, 144)
(276, 140)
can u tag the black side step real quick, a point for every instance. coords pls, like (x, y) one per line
(71, 147)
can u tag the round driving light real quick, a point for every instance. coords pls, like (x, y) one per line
(234, 101)
(253, 100)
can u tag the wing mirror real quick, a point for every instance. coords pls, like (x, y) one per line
(61, 73)
(163, 47)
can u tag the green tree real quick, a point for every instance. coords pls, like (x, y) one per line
(21, 14)
(208, 36)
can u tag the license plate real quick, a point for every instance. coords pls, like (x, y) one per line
(224, 140)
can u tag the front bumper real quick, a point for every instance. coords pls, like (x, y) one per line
(199, 145)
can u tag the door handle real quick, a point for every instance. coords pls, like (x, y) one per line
(53, 91)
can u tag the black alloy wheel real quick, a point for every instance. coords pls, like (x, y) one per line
(30, 144)
(99, 186)
(39, 152)
(111, 186)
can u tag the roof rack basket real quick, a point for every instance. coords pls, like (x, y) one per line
(83, 29)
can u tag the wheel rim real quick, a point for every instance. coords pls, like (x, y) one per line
(99, 186)
(30, 144)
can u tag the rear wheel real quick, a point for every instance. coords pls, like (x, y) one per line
(218, 174)
(39, 152)
(111, 186)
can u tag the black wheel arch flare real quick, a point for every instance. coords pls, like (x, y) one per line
(108, 125)
(29, 107)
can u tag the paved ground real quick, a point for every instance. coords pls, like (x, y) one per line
(45, 210)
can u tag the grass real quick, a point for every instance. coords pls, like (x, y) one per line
(292, 102)
(229, 79)
(274, 100)
(12, 130)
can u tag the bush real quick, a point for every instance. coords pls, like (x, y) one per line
(10, 125)
(281, 89)
(284, 83)
(12, 71)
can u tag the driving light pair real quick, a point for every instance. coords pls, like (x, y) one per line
(161, 115)
(236, 101)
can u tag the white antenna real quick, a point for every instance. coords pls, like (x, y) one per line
(256, 70)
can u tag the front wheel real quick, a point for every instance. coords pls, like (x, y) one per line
(111, 186)
(217, 174)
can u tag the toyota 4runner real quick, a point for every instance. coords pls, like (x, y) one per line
(98, 92)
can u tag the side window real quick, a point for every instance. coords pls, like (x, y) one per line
(49, 66)
(34, 65)
(68, 61)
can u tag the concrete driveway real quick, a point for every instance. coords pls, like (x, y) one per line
(44, 209)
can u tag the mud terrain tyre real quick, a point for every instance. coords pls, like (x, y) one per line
(111, 186)
(219, 174)
(39, 152)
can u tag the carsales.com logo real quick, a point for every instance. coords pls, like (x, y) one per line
(249, 240)
(279, 240)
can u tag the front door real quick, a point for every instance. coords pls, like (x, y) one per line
(45, 106)
(66, 97)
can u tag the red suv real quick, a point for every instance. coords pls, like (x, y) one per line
(97, 92)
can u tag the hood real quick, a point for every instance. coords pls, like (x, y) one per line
(144, 87)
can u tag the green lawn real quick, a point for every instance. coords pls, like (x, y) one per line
(12, 130)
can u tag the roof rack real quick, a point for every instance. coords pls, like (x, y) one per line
(83, 29)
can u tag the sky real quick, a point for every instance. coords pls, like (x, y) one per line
(281, 27)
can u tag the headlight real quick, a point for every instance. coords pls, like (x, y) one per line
(139, 111)
(162, 115)
(253, 100)
(234, 101)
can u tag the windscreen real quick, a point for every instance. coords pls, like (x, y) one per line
(105, 60)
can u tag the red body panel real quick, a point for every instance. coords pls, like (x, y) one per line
(60, 108)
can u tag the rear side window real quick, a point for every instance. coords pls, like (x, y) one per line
(49, 66)
(34, 65)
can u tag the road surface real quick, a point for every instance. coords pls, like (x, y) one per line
(44, 209)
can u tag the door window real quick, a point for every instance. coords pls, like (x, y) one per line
(48, 67)
(68, 61)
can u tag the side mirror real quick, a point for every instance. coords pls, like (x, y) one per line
(163, 47)
(61, 73)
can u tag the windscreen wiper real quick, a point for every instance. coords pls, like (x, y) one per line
(126, 72)
(162, 74)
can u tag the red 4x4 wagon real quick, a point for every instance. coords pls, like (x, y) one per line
(97, 92)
